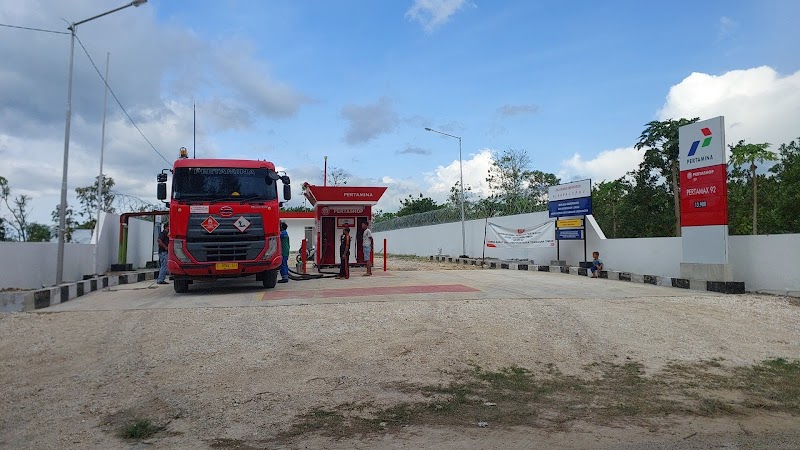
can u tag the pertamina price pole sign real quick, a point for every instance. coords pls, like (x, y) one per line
(704, 187)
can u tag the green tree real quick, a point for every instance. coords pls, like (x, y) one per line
(87, 196)
(70, 223)
(507, 178)
(742, 154)
(606, 199)
(380, 216)
(454, 198)
(3, 233)
(660, 141)
(338, 176)
(645, 207)
(413, 205)
(538, 184)
(18, 207)
(297, 209)
(38, 232)
(785, 191)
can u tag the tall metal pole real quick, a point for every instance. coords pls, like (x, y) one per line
(62, 210)
(62, 218)
(101, 178)
(461, 175)
(194, 131)
(461, 183)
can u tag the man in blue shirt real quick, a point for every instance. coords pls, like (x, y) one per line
(284, 253)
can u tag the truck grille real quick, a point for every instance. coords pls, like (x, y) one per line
(226, 243)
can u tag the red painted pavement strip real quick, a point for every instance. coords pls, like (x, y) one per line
(366, 291)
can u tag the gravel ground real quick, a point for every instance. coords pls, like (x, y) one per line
(234, 377)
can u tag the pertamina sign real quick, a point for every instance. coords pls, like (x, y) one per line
(704, 188)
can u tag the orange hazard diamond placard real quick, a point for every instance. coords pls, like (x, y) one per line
(210, 224)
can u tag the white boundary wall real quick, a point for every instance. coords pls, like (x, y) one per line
(32, 265)
(142, 235)
(765, 262)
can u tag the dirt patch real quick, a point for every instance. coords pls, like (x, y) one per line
(619, 396)
(537, 372)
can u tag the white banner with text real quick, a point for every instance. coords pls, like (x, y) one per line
(542, 235)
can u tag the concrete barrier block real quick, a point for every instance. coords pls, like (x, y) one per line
(637, 278)
(726, 287)
(664, 281)
(582, 271)
(602, 274)
(543, 268)
(522, 267)
(624, 276)
(574, 271)
(681, 283)
(650, 279)
(557, 262)
(613, 275)
(698, 285)
(504, 265)
(16, 301)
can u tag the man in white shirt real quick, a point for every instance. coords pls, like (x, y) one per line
(367, 244)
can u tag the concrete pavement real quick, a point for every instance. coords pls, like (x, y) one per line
(421, 285)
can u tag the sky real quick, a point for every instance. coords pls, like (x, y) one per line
(571, 82)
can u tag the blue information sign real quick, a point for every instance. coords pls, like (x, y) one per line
(566, 235)
(572, 207)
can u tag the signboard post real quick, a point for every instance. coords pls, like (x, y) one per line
(570, 200)
(704, 201)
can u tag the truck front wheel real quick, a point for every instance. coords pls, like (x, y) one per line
(270, 278)
(181, 286)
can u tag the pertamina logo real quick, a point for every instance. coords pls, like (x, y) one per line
(226, 211)
(707, 133)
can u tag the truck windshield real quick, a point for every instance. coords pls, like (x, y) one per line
(223, 183)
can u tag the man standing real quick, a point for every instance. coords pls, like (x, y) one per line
(284, 254)
(367, 244)
(344, 255)
(163, 254)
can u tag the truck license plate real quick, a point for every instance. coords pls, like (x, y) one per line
(227, 266)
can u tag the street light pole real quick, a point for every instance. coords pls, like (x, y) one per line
(62, 210)
(461, 184)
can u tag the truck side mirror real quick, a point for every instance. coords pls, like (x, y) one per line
(162, 191)
(287, 189)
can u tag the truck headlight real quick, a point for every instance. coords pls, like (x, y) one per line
(272, 245)
(177, 249)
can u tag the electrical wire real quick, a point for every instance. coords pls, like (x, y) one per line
(32, 29)
(113, 94)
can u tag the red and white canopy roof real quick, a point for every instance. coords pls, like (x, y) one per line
(343, 195)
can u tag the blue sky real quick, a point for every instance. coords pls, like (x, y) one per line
(571, 82)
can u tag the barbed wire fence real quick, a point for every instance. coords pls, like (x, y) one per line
(450, 213)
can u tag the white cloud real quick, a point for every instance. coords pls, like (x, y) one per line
(727, 27)
(759, 105)
(433, 13)
(517, 110)
(476, 169)
(367, 122)
(608, 165)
